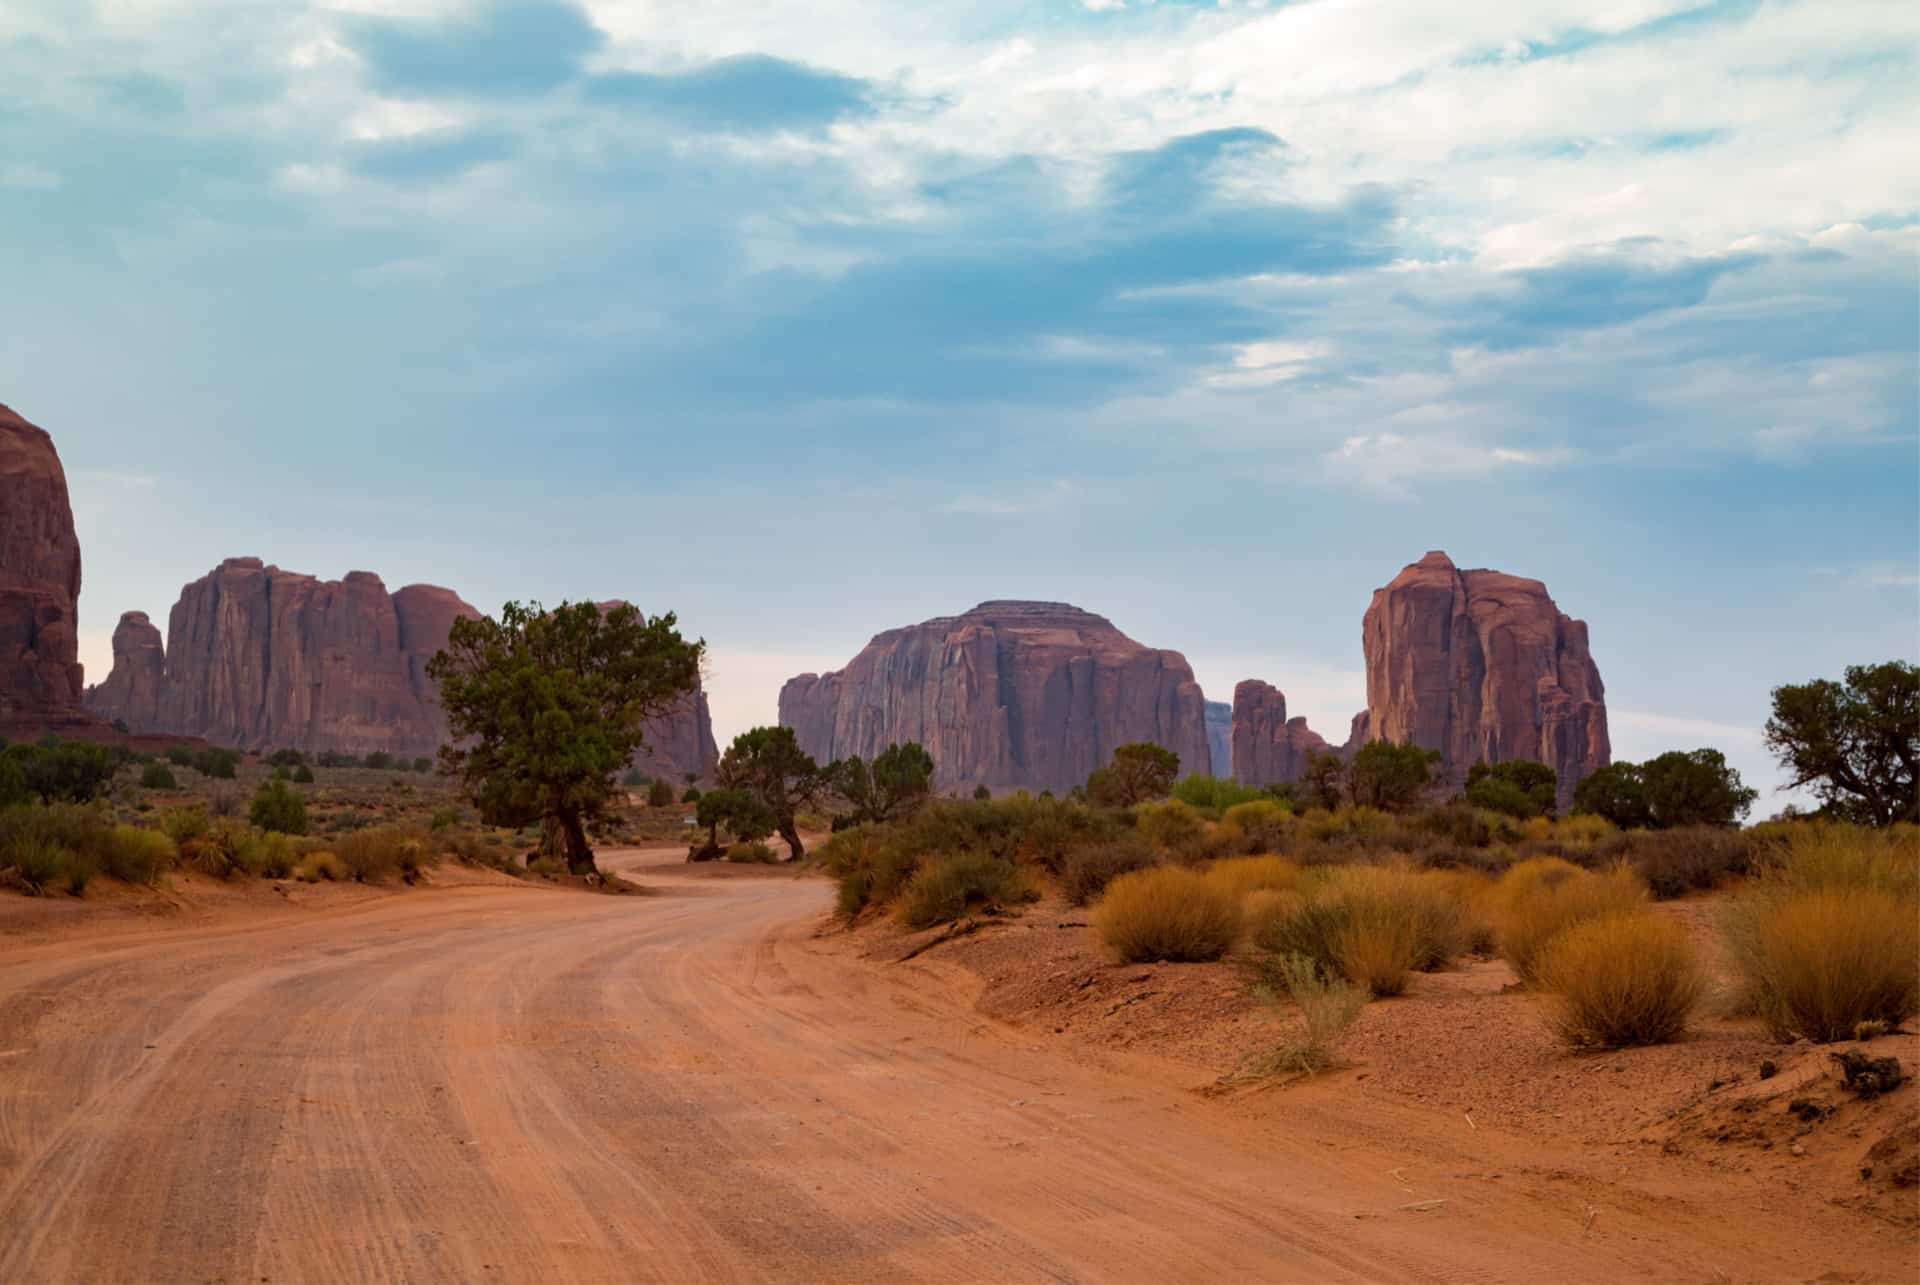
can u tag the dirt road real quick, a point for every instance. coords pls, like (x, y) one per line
(517, 1085)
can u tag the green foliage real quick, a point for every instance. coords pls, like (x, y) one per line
(659, 795)
(285, 758)
(982, 792)
(746, 820)
(1139, 772)
(279, 809)
(423, 764)
(379, 761)
(942, 891)
(1328, 1005)
(216, 763)
(548, 707)
(303, 775)
(870, 864)
(1518, 788)
(1171, 826)
(179, 756)
(1390, 777)
(335, 758)
(53, 846)
(635, 778)
(1088, 870)
(1217, 793)
(768, 763)
(1696, 788)
(1321, 781)
(1617, 793)
(691, 794)
(899, 780)
(56, 771)
(1855, 744)
(137, 855)
(13, 782)
(157, 776)
(758, 854)
(1258, 825)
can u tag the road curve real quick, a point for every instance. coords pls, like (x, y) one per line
(514, 1084)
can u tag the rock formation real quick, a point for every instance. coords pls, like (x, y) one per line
(1030, 695)
(1481, 665)
(1220, 738)
(1268, 747)
(40, 675)
(261, 658)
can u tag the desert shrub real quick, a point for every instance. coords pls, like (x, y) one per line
(1472, 894)
(1214, 793)
(157, 776)
(135, 854)
(40, 864)
(376, 853)
(691, 794)
(551, 867)
(1171, 825)
(1166, 913)
(316, 866)
(1050, 830)
(753, 854)
(378, 761)
(1259, 825)
(869, 866)
(277, 808)
(1328, 1004)
(1542, 897)
(1088, 870)
(1460, 824)
(179, 756)
(659, 795)
(302, 774)
(1675, 862)
(942, 891)
(1809, 855)
(216, 764)
(1818, 962)
(1242, 875)
(1622, 979)
(1374, 925)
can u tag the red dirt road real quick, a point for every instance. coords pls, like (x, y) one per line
(514, 1084)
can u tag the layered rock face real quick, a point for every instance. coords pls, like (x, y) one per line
(1220, 738)
(261, 658)
(1268, 747)
(1011, 695)
(1481, 665)
(40, 676)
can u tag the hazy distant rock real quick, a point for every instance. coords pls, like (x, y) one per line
(1268, 747)
(1220, 738)
(1030, 695)
(132, 691)
(1481, 665)
(40, 676)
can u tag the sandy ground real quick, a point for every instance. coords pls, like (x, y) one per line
(504, 1082)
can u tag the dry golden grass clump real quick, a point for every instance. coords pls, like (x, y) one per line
(1540, 898)
(1828, 936)
(1328, 1005)
(1166, 913)
(1242, 875)
(1374, 925)
(1622, 979)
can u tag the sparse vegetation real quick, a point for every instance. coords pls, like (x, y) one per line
(1857, 743)
(1328, 1004)
(754, 853)
(1087, 870)
(1166, 913)
(944, 890)
(1139, 773)
(1621, 979)
(659, 795)
(157, 776)
(279, 809)
(1545, 896)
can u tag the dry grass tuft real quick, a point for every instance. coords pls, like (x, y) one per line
(1242, 875)
(1541, 898)
(1818, 963)
(1328, 1003)
(1166, 913)
(1623, 979)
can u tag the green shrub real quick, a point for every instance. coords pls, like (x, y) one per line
(375, 853)
(302, 774)
(691, 794)
(1676, 862)
(41, 864)
(279, 809)
(1215, 793)
(753, 854)
(1166, 913)
(157, 776)
(217, 764)
(1621, 979)
(659, 795)
(1260, 825)
(184, 824)
(378, 761)
(944, 890)
(868, 864)
(179, 756)
(138, 855)
(1172, 826)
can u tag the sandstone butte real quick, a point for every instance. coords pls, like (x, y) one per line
(40, 676)
(1268, 747)
(1481, 666)
(261, 658)
(1032, 695)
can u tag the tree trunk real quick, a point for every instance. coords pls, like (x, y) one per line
(791, 833)
(563, 836)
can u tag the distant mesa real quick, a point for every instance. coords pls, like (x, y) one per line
(1220, 739)
(40, 676)
(1268, 747)
(1482, 666)
(1010, 695)
(262, 658)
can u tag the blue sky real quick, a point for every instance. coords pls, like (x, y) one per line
(807, 321)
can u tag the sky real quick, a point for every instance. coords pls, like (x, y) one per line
(807, 321)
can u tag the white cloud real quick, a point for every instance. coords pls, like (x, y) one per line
(1389, 463)
(30, 178)
(1012, 503)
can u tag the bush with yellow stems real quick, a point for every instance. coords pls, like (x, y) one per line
(1166, 913)
(1625, 978)
(1542, 897)
(1827, 936)
(1373, 924)
(1242, 875)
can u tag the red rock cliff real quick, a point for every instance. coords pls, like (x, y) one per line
(1481, 665)
(1268, 747)
(1031, 695)
(131, 693)
(40, 676)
